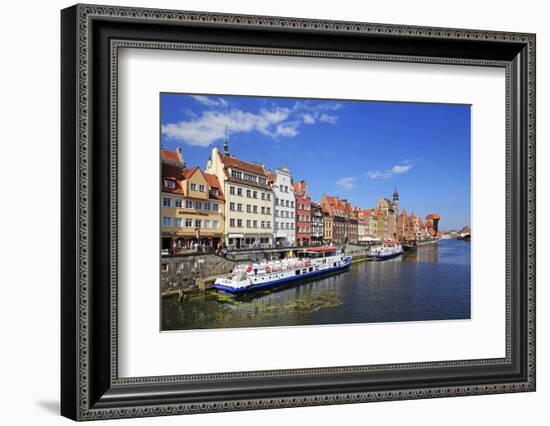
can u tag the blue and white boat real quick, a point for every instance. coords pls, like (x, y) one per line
(309, 263)
(387, 250)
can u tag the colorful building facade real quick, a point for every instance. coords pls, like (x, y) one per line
(303, 213)
(192, 206)
(284, 221)
(249, 200)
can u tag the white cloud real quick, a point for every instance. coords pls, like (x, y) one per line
(205, 129)
(326, 118)
(308, 119)
(386, 174)
(346, 182)
(205, 100)
(398, 169)
(211, 125)
(288, 129)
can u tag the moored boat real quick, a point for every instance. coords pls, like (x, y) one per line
(310, 262)
(387, 250)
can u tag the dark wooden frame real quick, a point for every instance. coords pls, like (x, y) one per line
(90, 386)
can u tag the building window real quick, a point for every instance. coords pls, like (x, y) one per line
(232, 223)
(255, 224)
(232, 190)
(263, 195)
(248, 223)
(178, 203)
(215, 224)
(239, 223)
(198, 205)
(240, 192)
(263, 208)
(250, 177)
(167, 202)
(206, 206)
(216, 207)
(198, 223)
(206, 223)
(178, 222)
(268, 224)
(248, 193)
(188, 222)
(268, 196)
(188, 204)
(166, 221)
(193, 187)
(169, 184)
(254, 209)
(262, 224)
(236, 174)
(248, 208)
(202, 188)
(255, 194)
(213, 191)
(239, 207)
(262, 180)
(232, 207)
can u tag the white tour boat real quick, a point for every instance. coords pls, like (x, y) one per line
(310, 262)
(387, 250)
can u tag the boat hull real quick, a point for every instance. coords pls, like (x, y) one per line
(282, 281)
(379, 257)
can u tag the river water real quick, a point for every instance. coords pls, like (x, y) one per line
(429, 283)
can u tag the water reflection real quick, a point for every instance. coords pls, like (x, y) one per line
(429, 283)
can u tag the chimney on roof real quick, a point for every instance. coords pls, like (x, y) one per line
(180, 156)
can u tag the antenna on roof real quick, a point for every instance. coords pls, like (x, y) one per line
(225, 143)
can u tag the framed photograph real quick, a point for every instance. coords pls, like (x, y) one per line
(263, 212)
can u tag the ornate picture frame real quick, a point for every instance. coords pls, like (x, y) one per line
(91, 386)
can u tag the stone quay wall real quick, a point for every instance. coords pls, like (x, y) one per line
(185, 273)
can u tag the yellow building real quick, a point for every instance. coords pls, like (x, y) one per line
(328, 222)
(249, 200)
(192, 207)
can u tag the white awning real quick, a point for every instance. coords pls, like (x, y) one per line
(235, 236)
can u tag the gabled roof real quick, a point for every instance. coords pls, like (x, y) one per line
(213, 182)
(178, 175)
(175, 174)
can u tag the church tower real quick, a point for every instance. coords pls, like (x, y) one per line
(395, 202)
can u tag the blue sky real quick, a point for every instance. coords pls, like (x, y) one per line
(359, 150)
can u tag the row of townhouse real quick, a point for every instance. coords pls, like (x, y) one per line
(238, 204)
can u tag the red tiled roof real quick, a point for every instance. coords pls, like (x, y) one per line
(272, 177)
(433, 216)
(229, 161)
(170, 156)
(175, 174)
(213, 182)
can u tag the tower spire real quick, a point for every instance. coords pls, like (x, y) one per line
(225, 143)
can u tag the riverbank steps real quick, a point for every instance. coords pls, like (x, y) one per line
(181, 274)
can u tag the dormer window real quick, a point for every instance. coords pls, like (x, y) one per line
(236, 174)
(169, 184)
(249, 177)
(213, 191)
